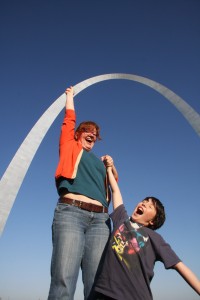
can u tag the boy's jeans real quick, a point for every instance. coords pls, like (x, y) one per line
(79, 238)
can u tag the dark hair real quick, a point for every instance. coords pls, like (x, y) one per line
(160, 217)
(87, 125)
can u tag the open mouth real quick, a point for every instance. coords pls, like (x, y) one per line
(139, 210)
(89, 140)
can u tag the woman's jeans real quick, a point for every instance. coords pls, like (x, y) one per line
(79, 238)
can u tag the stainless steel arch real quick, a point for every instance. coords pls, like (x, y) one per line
(16, 171)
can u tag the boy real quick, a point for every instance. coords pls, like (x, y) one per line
(133, 249)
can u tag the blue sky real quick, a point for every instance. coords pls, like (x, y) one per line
(49, 45)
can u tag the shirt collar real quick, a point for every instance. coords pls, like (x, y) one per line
(134, 224)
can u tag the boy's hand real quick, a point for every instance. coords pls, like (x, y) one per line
(107, 160)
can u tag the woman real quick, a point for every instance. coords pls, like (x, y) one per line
(81, 225)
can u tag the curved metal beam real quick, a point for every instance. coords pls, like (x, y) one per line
(13, 177)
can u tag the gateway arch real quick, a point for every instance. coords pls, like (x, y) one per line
(13, 177)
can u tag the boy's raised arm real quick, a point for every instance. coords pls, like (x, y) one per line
(116, 194)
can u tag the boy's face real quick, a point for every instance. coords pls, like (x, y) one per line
(145, 212)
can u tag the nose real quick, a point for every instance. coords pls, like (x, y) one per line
(93, 134)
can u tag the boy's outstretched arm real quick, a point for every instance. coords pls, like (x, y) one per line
(116, 194)
(188, 276)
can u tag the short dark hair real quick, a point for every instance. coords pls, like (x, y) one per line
(160, 216)
(87, 125)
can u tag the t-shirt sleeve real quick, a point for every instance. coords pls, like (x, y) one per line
(164, 252)
(119, 215)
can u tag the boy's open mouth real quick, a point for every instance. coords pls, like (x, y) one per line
(139, 211)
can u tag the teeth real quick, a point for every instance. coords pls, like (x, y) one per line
(140, 210)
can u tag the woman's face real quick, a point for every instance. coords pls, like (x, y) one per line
(88, 139)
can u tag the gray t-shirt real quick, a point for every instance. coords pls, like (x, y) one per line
(131, 255)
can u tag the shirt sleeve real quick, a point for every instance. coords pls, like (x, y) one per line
(68, 126)
(119, 215)
(164, 252)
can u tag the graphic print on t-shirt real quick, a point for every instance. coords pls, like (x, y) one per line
(127, 243)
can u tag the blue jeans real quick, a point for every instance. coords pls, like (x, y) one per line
(79, 239)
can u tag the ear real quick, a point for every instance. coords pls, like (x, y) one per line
(151, 222)
(76, 136)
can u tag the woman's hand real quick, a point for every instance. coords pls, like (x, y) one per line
(107, 160)
(69, 91)
(69, 98)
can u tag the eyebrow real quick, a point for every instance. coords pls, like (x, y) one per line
(153, 203)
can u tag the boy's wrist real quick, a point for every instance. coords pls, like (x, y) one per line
(109, 168)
